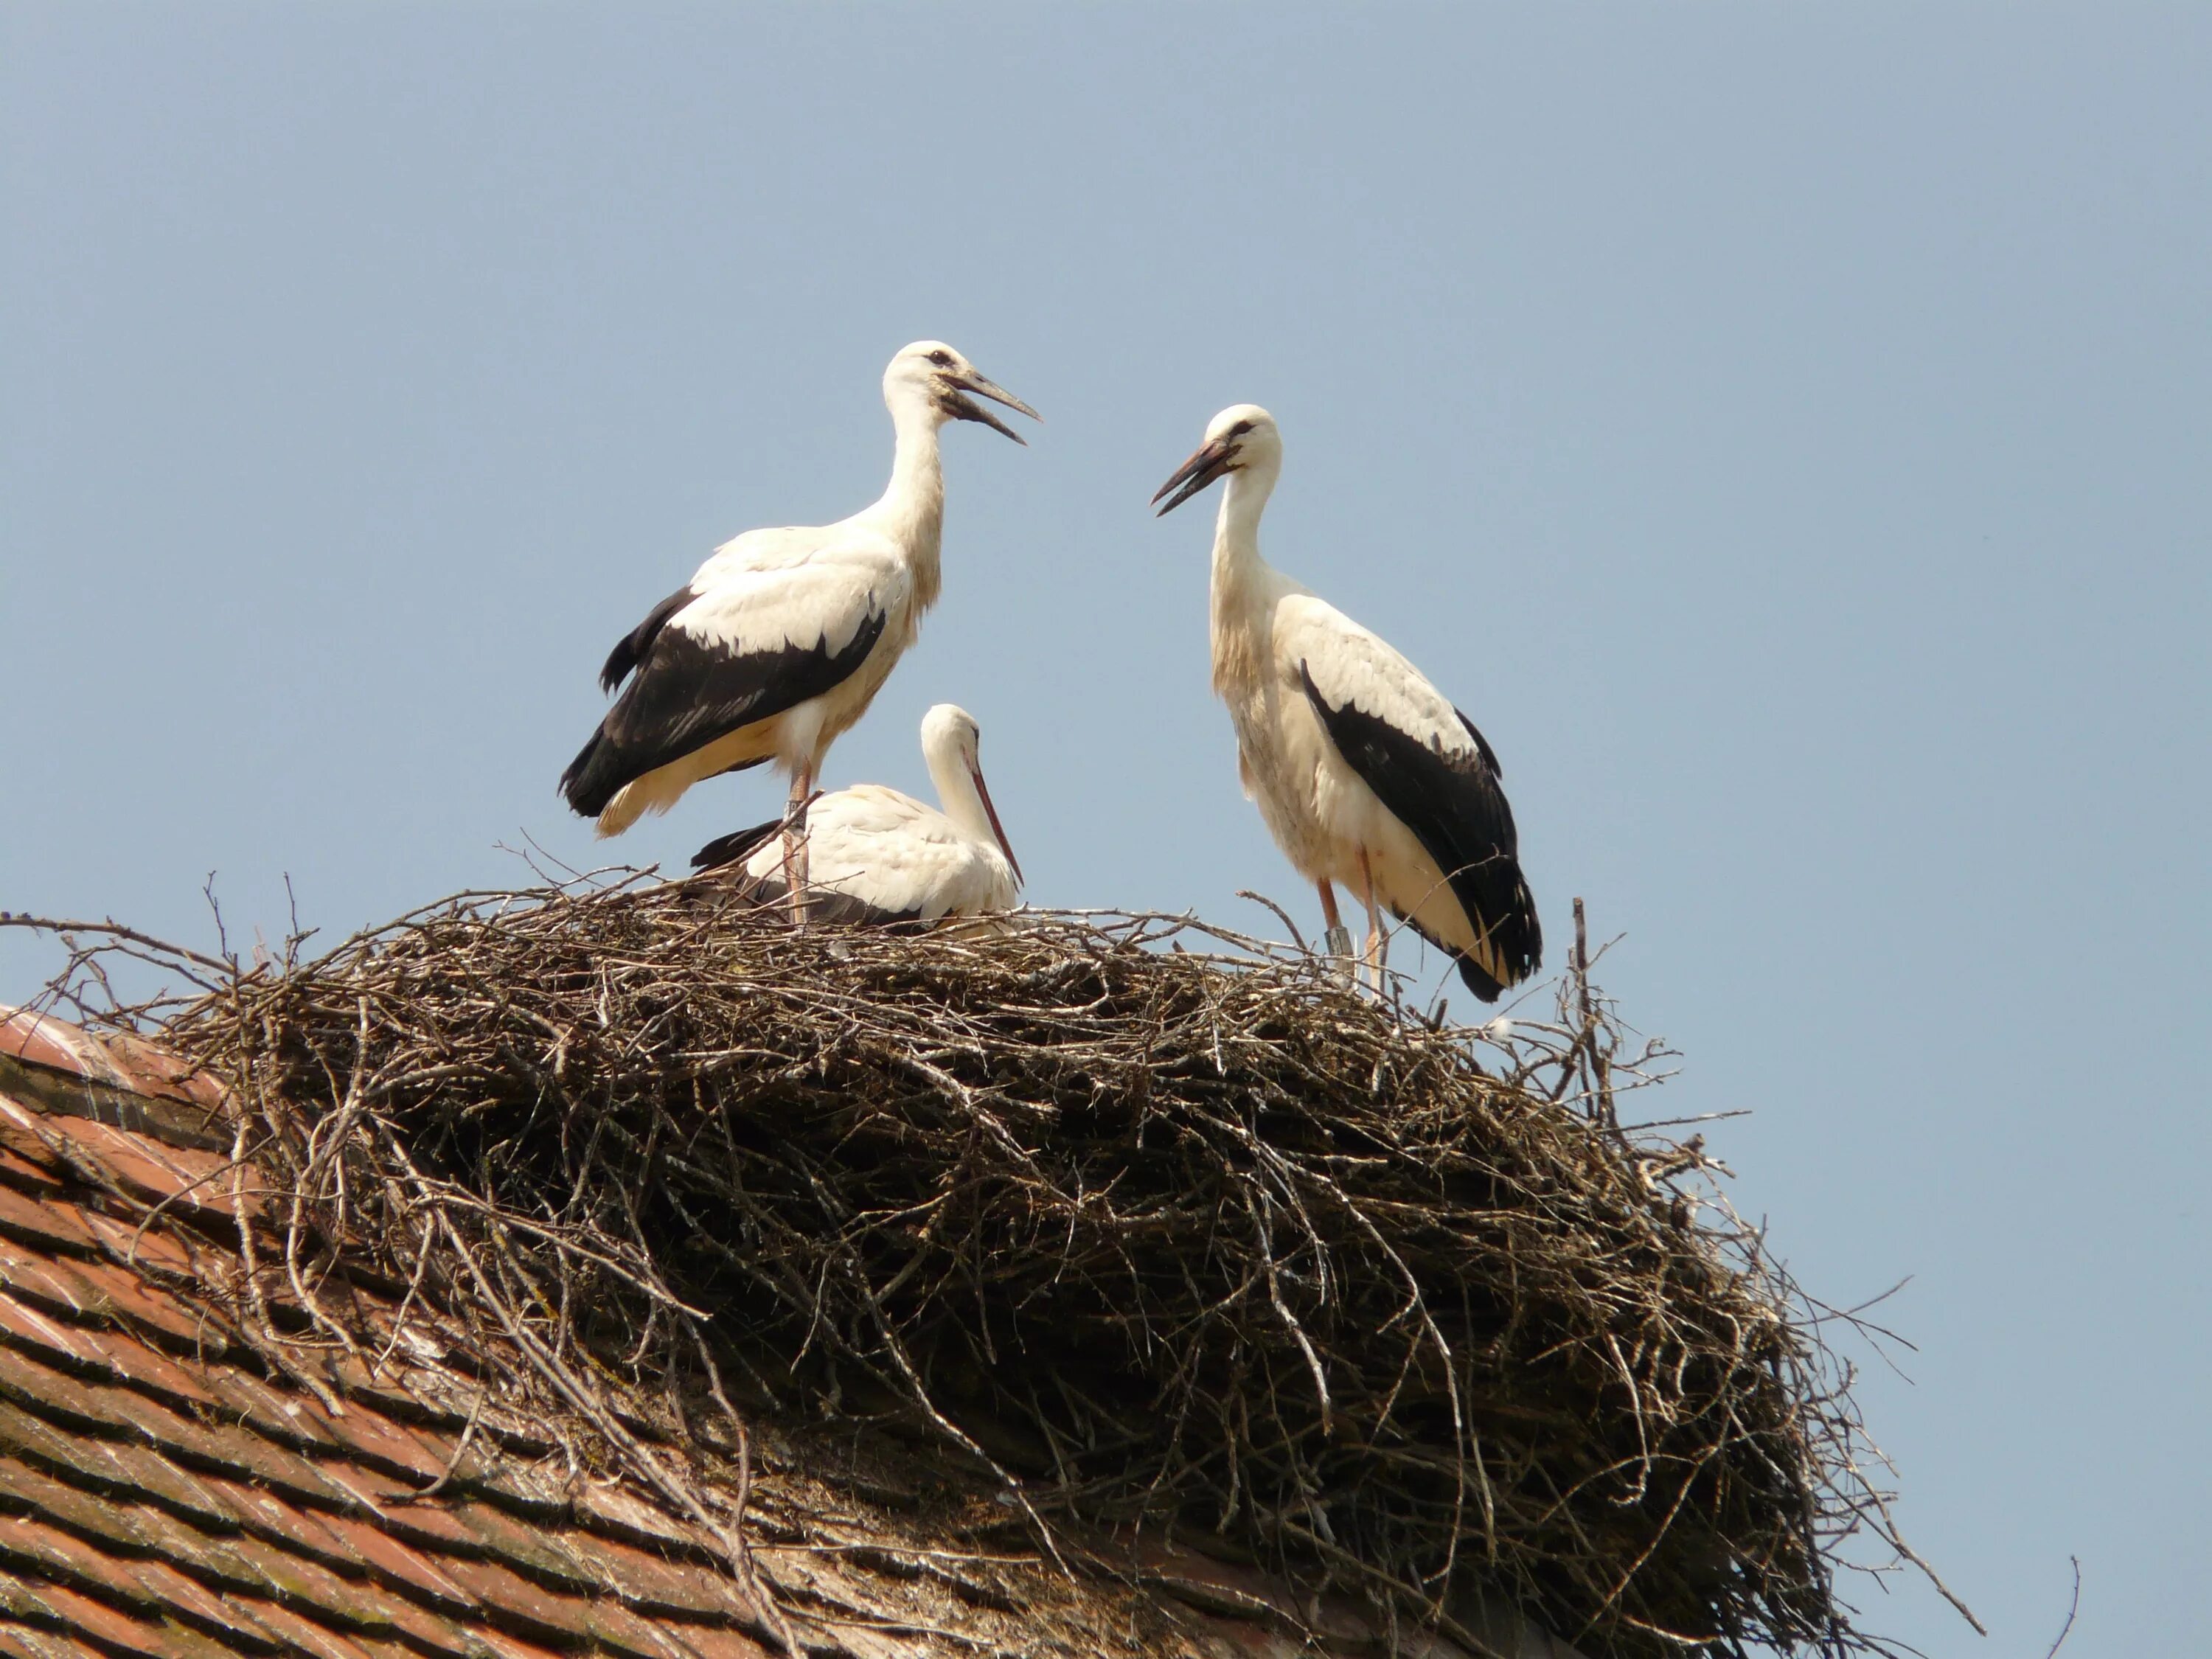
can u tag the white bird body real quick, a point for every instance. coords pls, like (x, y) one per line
(780, 640)
(1330, 719)
(788, 589)
(1321, 812)
(875, 854)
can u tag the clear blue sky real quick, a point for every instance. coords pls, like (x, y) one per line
(1788, 431)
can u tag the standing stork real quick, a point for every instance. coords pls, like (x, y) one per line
(877, 856)
(1365, 772)
(784, 636)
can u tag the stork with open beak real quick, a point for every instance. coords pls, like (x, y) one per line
(878, 857)
(1365, 773)
(782, 640)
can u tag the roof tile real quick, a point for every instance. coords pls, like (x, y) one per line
(143, 1167)
(145, 1470)
(376, 1498)
(20, 1140)
(78, 1401)
(122, 1414)
(45, 1221)
(308, 1532)
(226, 1449)
(47, 1284)
(23, 1642)
(529, 1550)
(291, 1419)
(73, 1457)
(307, 1586)
(490, 1467)
(95, 1290)
(357, 1608)
(300, 1634)
(125, 1526)
(29, 1545)
(45, 1040)
(171, 1639)
(127, 1243)
(21, 1173)
(42, 1601)
(135, 1363)
(616, 1628)
(375, 1439)
(542, 1611)
(148, 1069)
(643, 1579)
(206, 1556)
(194, 1603)
(610, 1511)
(500, 1645)
(24, 1325)
(719, 1642)
(392, 1559)
(116, 1061)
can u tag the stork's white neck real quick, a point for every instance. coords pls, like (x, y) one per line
(1243, 498)
(1244, 584)
(911, 510)
(957, 794)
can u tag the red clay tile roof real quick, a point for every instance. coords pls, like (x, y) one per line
(162, 1493)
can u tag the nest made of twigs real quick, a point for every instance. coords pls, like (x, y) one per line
(1148, 1238)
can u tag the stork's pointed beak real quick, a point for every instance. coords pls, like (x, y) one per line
(997, 829)
(963, 408)
(1209, 461)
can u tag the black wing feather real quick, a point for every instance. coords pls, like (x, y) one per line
(1453, 805)
(630, 650)
(688, 693)
(1489, 757)
(734, 848)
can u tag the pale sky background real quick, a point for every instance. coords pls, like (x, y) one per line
(1786, 429)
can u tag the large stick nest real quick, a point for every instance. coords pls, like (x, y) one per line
(1151, 1239)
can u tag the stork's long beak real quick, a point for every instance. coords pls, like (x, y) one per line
(997, 829)
(1209, 461)
(967, 409)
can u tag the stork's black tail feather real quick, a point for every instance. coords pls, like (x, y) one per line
(734, 848)
(586, 785)
(1485, 986)
(1450, 801)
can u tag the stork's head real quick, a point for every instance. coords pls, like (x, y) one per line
(949, 729)
(1242, 438)
(931, 376)
(951, 739)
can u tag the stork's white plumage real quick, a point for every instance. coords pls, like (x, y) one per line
(784, 636)
(875, 855)
(1365, 772)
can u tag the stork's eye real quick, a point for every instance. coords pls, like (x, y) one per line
(942, 359)
(1239, 429)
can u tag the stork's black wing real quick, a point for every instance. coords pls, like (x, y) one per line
(630, 649)
(1449, 798)
(735, 847)
(691, 690)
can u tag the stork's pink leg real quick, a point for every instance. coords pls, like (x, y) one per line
(1371, 951)
(1335, 941)
(795, 845)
